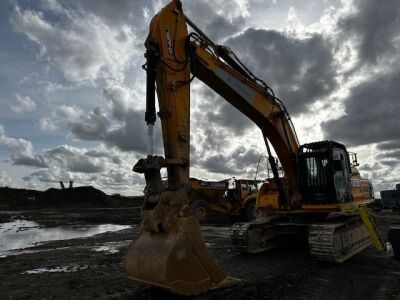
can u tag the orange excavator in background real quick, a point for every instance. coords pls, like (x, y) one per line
(306, 203)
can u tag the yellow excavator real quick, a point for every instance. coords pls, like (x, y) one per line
(307, 202)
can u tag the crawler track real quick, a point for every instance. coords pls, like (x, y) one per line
(336, 239)
(266, 233)
(339, 241)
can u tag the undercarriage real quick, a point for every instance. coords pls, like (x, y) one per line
(335, 237)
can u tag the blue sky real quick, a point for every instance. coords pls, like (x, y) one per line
(72, 89)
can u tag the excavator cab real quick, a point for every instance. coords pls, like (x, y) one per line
(325, 173)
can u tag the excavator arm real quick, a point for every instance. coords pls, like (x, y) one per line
(250, 97)
(170, 243)
(222, 71)
(172, 54)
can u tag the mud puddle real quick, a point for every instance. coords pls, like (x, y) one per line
(20, 234)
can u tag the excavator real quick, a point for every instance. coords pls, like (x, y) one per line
(307, 202)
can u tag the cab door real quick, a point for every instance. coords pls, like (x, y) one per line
(341, 175)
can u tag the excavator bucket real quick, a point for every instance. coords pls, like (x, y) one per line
(176, 260)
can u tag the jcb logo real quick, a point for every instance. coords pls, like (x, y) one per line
(169, 40)
(355, 183)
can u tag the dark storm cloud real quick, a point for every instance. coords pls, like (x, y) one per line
(82, 125)
(196, 154)
(119, 178)
(392, 154)
(245, 158)
(381, 186)
(220, 28)
(217, 27)
(84, 166)
(42, 175)
(96, 153)
(390, 163)
(388, 146)
(103, 154)
(136, 13)
(300, 71)
(241, 162)
(369, 167)
(374, 27)
(92, 126)
(129, 134)
(372, 108)
(372, 113)
(35, 161)
(221, 113)
(214, 138)
(115, 12)
(120, 99)
(219, 164)
(71, 159)
(229, 117)
(132, 135)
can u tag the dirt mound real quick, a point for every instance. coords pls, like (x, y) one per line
(77, 197)
(10, 197)
(85, 196)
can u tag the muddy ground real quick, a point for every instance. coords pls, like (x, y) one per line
(89, 272)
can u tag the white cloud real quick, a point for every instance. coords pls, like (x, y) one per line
(24, 104)
(101, 167)
(121, 98)
(232, 9)
(292, 15)
(82, 125)
(52, 5)
(5, 180)
(23, 153)
(82, 46)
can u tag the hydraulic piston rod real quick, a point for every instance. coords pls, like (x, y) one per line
(150, 115)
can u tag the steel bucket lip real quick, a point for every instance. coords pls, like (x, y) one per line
(226, 283)
(188, 232)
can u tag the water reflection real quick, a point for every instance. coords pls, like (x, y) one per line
(112, 247)
(64, 269)
(22, 234)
